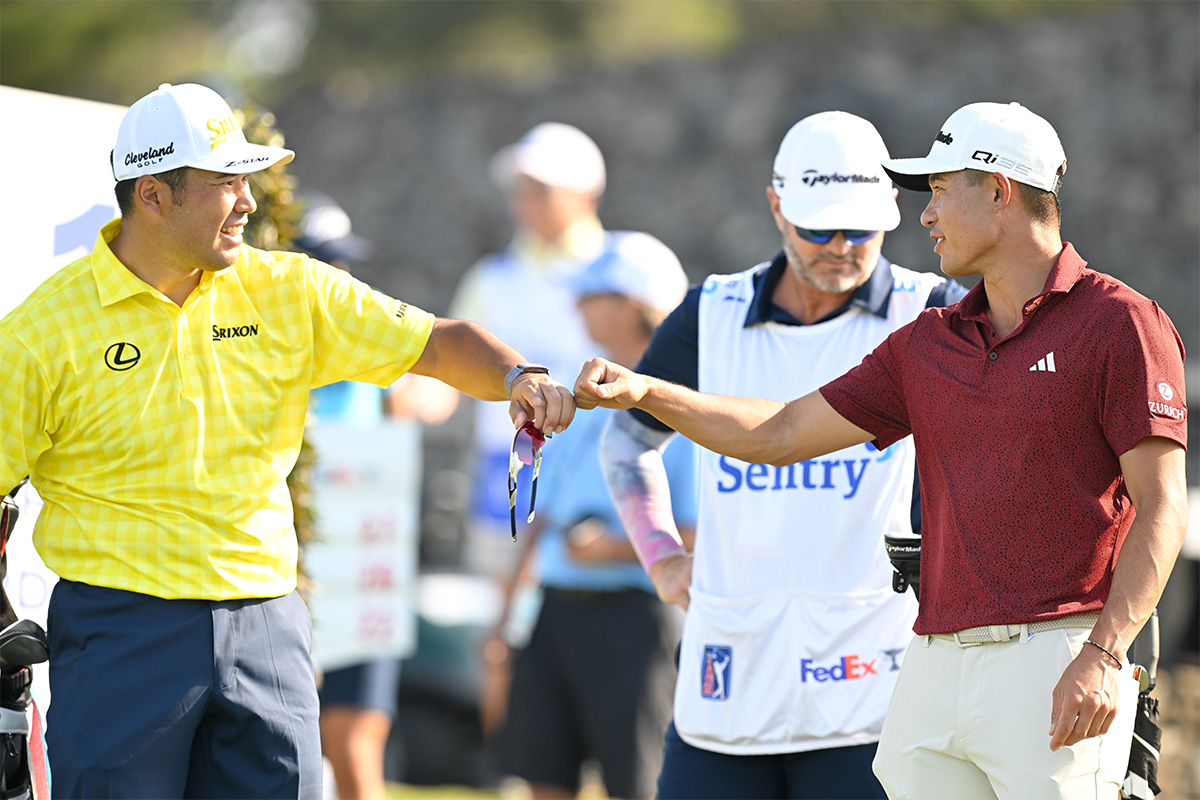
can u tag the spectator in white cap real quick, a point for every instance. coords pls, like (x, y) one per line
(596, 678)
(794, 634)
(1050, 420)
(159, 392)
(553, 178)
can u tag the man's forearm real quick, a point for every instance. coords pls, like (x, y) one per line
(1141, 573)
(751, 429)
(740, 427)
(468, 357)
(631, 457)
(1150, 548)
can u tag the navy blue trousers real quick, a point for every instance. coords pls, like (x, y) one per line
(690, 773)
(154, 698)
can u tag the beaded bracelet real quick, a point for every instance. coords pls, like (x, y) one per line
(1116, 660)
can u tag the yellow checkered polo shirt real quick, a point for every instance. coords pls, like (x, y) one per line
(160, 437)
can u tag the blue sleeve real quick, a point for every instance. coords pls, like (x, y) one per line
(946, 293)
(682, 462)
(674, 354)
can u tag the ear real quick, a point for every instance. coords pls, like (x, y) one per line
(1002, 190)
(773, 201)
(151, 195)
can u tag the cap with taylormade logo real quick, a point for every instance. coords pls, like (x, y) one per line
(828, 175)
(992, 137)
(638, 266)
(188, 125)
(555, 154)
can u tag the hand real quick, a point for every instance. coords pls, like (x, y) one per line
(538, 397)
(1084, 703)
(603, 383)
(588, 541)
(591, 542)
(672, 577)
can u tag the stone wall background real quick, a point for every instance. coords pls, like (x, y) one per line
(689, 142)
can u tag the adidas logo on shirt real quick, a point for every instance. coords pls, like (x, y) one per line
(1045, 364)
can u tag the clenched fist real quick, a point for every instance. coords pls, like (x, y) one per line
(603, 383)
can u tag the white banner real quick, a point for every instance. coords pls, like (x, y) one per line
(60, 194)
(366, 496)
(60, 184)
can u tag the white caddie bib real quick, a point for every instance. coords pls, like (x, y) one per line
(793, 637)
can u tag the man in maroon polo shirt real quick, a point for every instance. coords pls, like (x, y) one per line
(1046, 407)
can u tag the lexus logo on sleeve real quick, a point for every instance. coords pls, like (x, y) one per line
(122, 356)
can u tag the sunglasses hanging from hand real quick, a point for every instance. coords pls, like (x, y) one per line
(526, 449)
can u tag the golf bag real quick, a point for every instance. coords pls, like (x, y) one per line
(23, 770)
(1141, 778)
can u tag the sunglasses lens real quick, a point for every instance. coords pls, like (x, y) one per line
(825, 237)
(527, 440)
(816, 237)
(523, 447)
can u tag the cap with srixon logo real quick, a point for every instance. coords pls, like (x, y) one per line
(828, 175)
(994, 137)
(188, 125)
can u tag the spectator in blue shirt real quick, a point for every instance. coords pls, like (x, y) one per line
(596, 679)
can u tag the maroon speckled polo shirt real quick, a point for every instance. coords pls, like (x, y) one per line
(1023, 504)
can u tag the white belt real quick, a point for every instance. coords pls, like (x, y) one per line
(987, 634)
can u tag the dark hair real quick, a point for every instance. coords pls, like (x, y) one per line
(175, 178)
(1042, 205)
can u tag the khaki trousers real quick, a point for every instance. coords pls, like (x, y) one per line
(973, 722)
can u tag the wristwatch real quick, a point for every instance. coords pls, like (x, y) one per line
(518, 371)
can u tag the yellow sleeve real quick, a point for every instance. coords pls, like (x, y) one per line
(23, 403)
(360, 333)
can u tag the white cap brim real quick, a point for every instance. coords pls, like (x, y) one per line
(244, 158)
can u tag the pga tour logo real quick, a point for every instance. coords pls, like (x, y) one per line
(716, 668)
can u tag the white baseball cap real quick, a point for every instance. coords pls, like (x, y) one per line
(993, 137)
(188, 125)
(829, 175)
(639, 267)
(554, 154)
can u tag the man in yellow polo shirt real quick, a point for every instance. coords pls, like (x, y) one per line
(156, 395)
